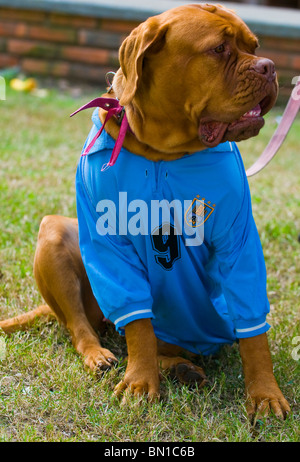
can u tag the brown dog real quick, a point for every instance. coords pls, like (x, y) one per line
(186, 79)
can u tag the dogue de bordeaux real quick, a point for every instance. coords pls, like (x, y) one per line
(191, 86)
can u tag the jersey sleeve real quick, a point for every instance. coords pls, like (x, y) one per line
(117, 276)
(240, 270)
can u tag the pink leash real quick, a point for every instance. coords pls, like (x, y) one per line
(281, 132)
(113, 107)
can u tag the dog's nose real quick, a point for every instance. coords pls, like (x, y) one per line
(266, 67)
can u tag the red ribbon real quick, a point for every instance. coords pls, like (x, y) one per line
(112, 106)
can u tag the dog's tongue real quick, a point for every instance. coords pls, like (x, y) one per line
(211, 132)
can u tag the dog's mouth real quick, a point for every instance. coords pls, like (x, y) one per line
(212, 132)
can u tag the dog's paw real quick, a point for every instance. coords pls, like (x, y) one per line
(139, 383)
(99, 359)
(137, 390)
(189, 374)
(261, 401)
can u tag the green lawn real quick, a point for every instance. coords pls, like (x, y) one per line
(45, 393)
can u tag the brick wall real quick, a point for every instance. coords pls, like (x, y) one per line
(66, 46)
(285, 52)
(84, 48)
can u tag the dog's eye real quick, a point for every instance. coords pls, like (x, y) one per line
(220, 48)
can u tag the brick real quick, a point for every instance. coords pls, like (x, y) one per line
(44, 67)
(32, 48)
(71, 71)
(8, 60)
(285, 77)
(280, 43)
(90, 74)
(123, 27)
(35, 66)
(11, 29)
(87, 55)
(52, 34)
(296, 63)
(280, 58)
(14, 14)
(3, 44)
(100, 38)
(59, 69)
(114, 59)
(73, 21)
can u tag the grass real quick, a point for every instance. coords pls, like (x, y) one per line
(45, 392)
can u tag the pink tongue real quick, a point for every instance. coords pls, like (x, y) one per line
(255, 112)
(212, 132)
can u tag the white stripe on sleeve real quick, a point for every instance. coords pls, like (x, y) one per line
(131, 314)
(250, 329)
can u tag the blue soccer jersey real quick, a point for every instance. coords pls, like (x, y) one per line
(172, 241)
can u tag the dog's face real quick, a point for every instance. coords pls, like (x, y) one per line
(189, 78)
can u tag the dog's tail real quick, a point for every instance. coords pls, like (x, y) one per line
(26, 320)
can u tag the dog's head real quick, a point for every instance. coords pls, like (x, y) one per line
(189, 78)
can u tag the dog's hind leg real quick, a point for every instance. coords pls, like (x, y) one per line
(183, 369)
(63, 283)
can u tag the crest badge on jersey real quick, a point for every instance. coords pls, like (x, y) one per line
(198, 212)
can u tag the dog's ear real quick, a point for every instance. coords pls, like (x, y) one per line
(148, 36)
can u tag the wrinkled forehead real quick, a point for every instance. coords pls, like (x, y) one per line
(207, 23)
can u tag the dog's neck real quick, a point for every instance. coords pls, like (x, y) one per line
(131, 143)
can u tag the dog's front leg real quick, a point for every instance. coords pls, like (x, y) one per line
(142, 372)
(262, 391)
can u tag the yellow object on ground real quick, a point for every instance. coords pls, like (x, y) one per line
(23, 85)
